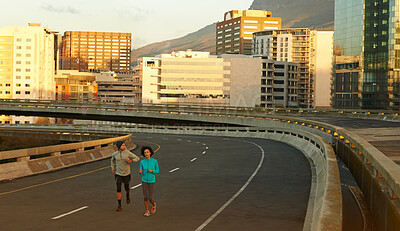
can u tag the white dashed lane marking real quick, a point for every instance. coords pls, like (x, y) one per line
(69, 213)
(136, 186)
(175, 169)
(204, 152)
(193, 159)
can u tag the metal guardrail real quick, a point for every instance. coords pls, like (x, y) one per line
(180, 108)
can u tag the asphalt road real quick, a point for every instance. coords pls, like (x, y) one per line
(217, 184)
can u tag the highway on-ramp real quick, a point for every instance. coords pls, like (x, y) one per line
(205, 183)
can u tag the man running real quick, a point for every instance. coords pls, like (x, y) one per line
(120, 166)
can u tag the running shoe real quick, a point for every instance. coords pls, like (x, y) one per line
(119, 209)
(147, 213)
(153, 210)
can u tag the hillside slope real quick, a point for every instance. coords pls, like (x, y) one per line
(306, 13)
(201, 40)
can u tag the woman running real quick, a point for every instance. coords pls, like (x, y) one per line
(148, 168)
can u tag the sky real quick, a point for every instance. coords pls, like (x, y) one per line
(148, 21)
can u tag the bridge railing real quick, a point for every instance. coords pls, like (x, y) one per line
(25, 162)
(178, 108)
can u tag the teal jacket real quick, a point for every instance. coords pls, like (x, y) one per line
(145, 165)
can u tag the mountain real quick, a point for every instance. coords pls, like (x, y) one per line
(201, 40)
(294, 13)
(301, 14)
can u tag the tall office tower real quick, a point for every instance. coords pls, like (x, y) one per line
(367, 54)
(312, 50)
(27, 63)
(234, 34)
(85, 51)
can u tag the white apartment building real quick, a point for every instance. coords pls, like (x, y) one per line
(184, 77)
(198, 78)
(312, 50)
(27, 64)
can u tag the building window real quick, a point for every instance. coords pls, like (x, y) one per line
(27, 85)
(27, 92)
(8, 85)
(19, 40)
(18, 92)
(27, 77)
(17, 77)
(28, 47)
(18, 84)
(28, 40)
(28, 70)
(19, 47)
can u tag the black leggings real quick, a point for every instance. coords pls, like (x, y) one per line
(122, 179)
(148, 191)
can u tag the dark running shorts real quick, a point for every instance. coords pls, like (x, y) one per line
(122, 179)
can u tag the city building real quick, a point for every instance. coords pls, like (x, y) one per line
(76, 86)
(279, 83)
(312, 50)
(367, 59)
(234, 34)
(198, 78)
(184, 78)
(85, 51)
(118, 87)
(27, 64)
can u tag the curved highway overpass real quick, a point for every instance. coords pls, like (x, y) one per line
(210, 183)
(378, 176)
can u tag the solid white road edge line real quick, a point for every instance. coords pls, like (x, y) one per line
(173, 170)
(193, 159)
(69, 213)
(136, 186)
(238, 193)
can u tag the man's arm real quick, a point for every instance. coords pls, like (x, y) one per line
(133, 157)
(113, 164)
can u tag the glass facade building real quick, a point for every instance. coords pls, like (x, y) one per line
(366, 49)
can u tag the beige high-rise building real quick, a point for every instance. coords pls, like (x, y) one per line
(312, 50)
(234, 35)
(27, 64)
(83, 51)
